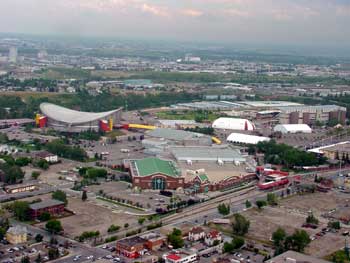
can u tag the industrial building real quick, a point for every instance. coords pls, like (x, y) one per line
(206, 105)
(268, 104)
(339, 151)
(207, 154)
(180, 137)
(233, 124)
(295, 257)
(154, 173)
(178, 124)
(311, 114)
(67, 120)
(53, 207)
(241, 138)
(292, 128)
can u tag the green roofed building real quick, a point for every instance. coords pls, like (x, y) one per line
(156, 174)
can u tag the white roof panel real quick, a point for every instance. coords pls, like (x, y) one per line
(66, 115)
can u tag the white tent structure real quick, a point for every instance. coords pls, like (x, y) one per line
(233, 124)
(292, 128)
(246, 138)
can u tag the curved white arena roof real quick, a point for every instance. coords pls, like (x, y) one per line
(233, 124)
(66, 115)
(246, 138)
(292, 128)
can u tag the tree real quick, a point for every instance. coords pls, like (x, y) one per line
(126, 225)
(13, 173)
(60, 195)
(38, 238)
(141, 220)
(38, 259)
(298, 241)
(311, 219)
(53, 226)
(53, 253)
(224, 209)
(334, 224)
(240, 226)
(45, 216)
(25, 259)
(248, 204)
(35, 175)
(113, 228)
(175, 238)
(237, 242)
(43, 164)
(260, 203)
(228, 247)
(84, 195)
(278, 237)
(339, 257)
(21, 210)
(272, 199)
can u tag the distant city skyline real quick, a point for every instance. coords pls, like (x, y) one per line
(301, 22)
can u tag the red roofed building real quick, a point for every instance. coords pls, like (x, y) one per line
(211, 237)
(180, 257)
(196, 233)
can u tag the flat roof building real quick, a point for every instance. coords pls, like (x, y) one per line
(207, 154)
(156, 174)
(295, 257)
(311, 114)
(181, 137)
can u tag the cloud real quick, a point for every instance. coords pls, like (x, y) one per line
(342, 10)
(191, 12)
(155, 10)
(237, 12)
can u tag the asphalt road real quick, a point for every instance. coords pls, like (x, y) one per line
(77, 248)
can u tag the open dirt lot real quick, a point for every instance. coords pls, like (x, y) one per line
(291, 214)
(91, 217)
(318, 203)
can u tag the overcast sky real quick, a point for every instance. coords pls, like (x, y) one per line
(230, 21)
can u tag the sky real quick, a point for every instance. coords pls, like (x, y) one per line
(309, 22)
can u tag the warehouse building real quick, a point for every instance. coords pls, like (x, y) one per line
(180, 137)
(292, 128)
(339, 151)
(67, 120)
(240, 138)
(312, 114)
(207, 154)
(154, 173)
(233, 124)
(53, 207)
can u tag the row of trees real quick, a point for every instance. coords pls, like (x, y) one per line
(283, 242)
(283, 154)
(70, 152)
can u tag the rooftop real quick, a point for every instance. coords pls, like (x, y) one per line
(131, 241)
(296, 257)
(321, 108)
(66, 115)
(207, 153)
(44, 204)
(17, 230)
(177, 135)
(268, 104)
(150, 166)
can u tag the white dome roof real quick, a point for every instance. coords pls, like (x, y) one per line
(233, 124)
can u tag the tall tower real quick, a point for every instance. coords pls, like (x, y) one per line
(13, 55)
